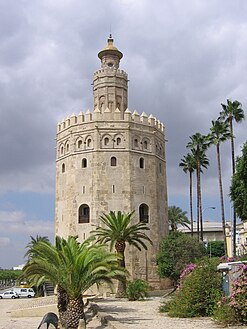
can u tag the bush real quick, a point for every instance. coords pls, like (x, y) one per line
(236, 303)
(176, 251)
(137, 289)
(200, 291)
(215, 248)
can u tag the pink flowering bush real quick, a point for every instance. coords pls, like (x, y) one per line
(185, 272)
(233, 309)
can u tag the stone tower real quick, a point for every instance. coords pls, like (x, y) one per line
(112, 159)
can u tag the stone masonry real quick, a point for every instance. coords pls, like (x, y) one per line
(112, 159)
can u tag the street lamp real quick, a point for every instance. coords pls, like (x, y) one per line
(202, 220)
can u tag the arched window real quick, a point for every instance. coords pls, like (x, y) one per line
(106, 141)
(118, 141)
(113, 161)
(143, 213)
(79, 144)
(141, 163)
(67, 147)
(135, 142)
(145, 145)
(89, 142)
(83, 214)
(63, 167)
(84, 163)
(62, 150)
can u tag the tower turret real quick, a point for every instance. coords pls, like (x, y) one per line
(110, 85)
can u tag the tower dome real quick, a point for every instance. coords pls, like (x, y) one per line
(110, 56)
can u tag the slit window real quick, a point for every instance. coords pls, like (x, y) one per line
(118, 141)
(113, 161)
(89, 142)
(135, 142)
(84, 163)
(84, 214)
(144, 213)
(145, 145)
(63, 167)
(141, 163)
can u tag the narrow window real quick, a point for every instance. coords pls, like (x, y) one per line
(160, 166)
(145, 145)
(141, 163)
(118, 141)
(89, 142)
(62, 150)
(67, 147)
(136, 142)
(63, 167)
(79, 144)
(143, 213)
(113, 161)
(83, 214)
(83, 189)
(106, 141)
(84, 163)
(113, 188)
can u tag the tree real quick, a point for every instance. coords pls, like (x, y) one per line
(118, 231)
(238, 189)
(232, 111)
(188, 164)
(32, 243)
(74, 268)
(219, 133)
(176, 251)
(176, 216)
(216, 248)
(198, 145)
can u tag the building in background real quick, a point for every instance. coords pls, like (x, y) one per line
(112, 159)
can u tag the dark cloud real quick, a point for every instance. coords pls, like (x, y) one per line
(183, 59)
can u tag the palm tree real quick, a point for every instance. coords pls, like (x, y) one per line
(198, 146)
(220, 132)
(74, 268)
(232, 111)
(118, 231)
(32, 243)
(176, 216)
(189, 165)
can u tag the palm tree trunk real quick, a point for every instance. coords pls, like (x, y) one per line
(200, 203)
(198, 199)
(221, 198)
(233, 172)
(191, 206)
(120, 248)
(75, 311)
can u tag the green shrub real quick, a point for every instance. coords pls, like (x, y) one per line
(224, 313)
(200, 291)
(137, 289)
(176, 251)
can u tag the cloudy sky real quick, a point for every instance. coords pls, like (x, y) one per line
(184, 58)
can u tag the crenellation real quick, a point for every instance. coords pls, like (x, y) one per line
(88, 116)
(73, 119)
(135, 116)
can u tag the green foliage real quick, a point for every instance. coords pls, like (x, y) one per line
(72, 265)
(199, 293)
(238, 189)
(225, 314)
(176, 251)
(215, 248)
(118, 228)
(137, 289)
(10, 274)
(176, 216)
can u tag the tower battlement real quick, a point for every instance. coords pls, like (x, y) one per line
(109, 71)
(106, 115)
